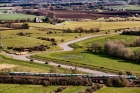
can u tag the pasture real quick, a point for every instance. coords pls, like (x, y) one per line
(93, 60)
(102, 39)
(9, 64)
(10, 38)
(90, 24)
(15, 88)
(119, 90)
(17, 16)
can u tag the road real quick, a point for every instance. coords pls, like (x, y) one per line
(65, 47)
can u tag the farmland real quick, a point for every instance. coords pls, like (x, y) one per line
(15, 88)
(87, 14)
(10, 38)
(17, 16)
(119, 90)
(10, 64)
(93, 60)
(109, 25)
(90, 24)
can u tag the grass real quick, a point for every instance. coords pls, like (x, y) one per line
(90, 24)
(17, 16)
(3, 10)
(92, 60)
(119, 90)
(102, 39)
(25, 66)
(74, 89)
(9, 38)
(128, 7)
(15, 88)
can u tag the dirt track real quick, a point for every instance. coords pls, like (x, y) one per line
(65, 47)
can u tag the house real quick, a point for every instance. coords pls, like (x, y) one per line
(38, 20)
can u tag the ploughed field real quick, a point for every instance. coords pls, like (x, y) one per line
(87, 14)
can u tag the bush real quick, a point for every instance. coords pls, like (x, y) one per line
(117, 82)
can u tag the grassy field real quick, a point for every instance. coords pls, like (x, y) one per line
(2, 10)
(9, 38)
(119, 90)
(127, 7)
(90, 24)
(24, 66)
(17, 16)
(74, 89)
(15, 88)
(102, 39)
(96, 61)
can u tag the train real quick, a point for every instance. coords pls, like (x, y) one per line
(70, 75)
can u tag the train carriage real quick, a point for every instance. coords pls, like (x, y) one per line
(71, 75)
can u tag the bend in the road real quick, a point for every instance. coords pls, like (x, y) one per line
(65, 47)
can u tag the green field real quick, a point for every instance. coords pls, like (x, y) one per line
(2, 10)
(17, 16)
(74, 89)
(119, 90)
(102, 39)
(92, 60)
(9, 38)
(15, 88)
(24, 66)
(90, 24)
(127, 7)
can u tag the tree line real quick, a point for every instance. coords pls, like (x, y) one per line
(118, 48)
(131, 33)
(48, 39)
(82, 30)
(67, 81)
(46, 81)
(29, 49)
(15, 26)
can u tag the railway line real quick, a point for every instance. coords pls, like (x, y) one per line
(71, 75)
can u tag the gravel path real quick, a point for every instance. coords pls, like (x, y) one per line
(65, 47)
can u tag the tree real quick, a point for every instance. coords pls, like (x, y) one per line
(109, 82)
(25, 26)
(136, 55)
(51, 15)
(96, 47)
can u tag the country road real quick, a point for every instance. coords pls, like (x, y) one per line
(65, 47)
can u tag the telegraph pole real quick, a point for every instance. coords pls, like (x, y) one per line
(63, 30)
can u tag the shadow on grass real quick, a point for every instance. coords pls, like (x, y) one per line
(112, 58)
